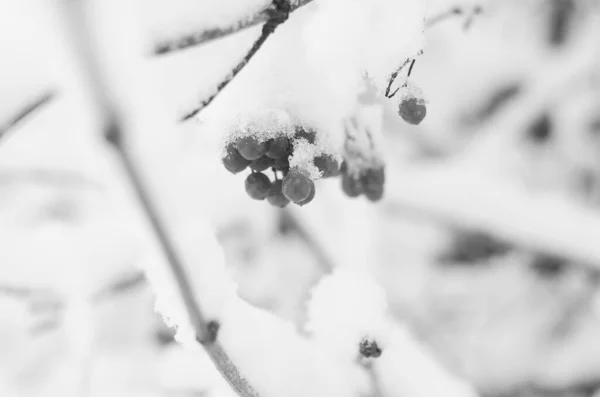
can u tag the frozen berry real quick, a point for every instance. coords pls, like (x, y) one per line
(258, 185)
(297, 185)
(310, 197)
(343, 167)
(261, 164)
(328, 165)
(281, 164)
(369, 348)
(308, 134)
(276, 197)
(351, 185)
(373, 181)
(250, 148)
(233, 160)
(412, 110)
(279, 148)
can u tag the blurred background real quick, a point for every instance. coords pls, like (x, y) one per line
(486, 241)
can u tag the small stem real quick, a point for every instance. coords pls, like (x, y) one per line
(278, 14)
(455, 11)
(30, 108)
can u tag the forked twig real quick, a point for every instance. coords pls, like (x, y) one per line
(278, 14)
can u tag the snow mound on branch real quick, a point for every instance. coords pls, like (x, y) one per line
(313, 67)
(346, 307)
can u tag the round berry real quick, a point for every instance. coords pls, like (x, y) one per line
(412, 110)
(233, 160)
(343, 167)
(258, 185)
(279, 148)
(250, 148)
(327, 164)
(351, 186)
(261, 164)
(281, 164)
(373, 181)
(276, 197)
(297, 185)
(310, 197)
(308, 134)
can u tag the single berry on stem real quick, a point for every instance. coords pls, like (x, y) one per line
(279, 148)
(258, 185)
(297, 185)
(250, 148)
(261, 163)
(276, 197)
(412, 110)
(233, 160)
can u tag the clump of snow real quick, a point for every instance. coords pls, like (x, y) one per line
(346, 307)
(304, 153)
(290, 365)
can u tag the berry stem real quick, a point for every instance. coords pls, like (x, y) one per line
(278, 13)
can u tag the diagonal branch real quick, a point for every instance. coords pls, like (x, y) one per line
(196, 39)
(22, 114)
(113, 111)
(278, 14)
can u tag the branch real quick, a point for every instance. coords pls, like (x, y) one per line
(25, 111)
(455, 11)
(76, 16)
(208, 35)
(278, 14)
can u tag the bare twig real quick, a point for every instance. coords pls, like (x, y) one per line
(120, 286)
(27, 110)
(470, 13)
(208, 35)
(113, 111)
(277, 15)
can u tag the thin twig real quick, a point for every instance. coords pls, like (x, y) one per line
(455, 11)
(120, 286)
(278, 14)
(27, 110)
(208, 35)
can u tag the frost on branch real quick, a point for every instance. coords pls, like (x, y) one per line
(347, 312)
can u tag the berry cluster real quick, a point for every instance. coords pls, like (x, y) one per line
(369, 181)
(296, 184)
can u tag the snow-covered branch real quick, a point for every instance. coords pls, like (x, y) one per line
(198, 38)
(278, 14)
(25, 111)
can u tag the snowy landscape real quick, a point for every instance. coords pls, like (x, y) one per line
(370, 198)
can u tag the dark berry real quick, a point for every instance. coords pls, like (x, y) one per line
(328, 165)
(281, 164)
(233, 160)
(258, 185)
(351, 185)
(276, 197)
(343, 167)
(279, 148)
(250, 148)
(261, 164)
(308, 134)
(310, 197)
(372, 182)
(412, 110)
(297, 185)
(369, 348)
